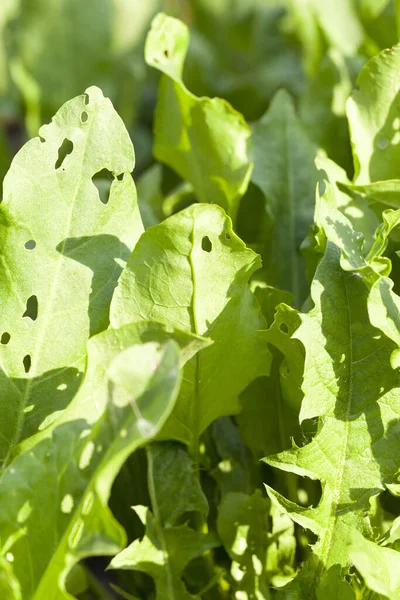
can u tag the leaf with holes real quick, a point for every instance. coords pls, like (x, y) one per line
(54, 497)
(205, 140)
(62, 253)
(191, 272)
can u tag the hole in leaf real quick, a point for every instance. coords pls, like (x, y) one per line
(42, 140)
(84, 116)
(27, 363)
(120, 176)
(31, 308)
(5, 338)
(66, 148)
(206, 244)
(30, 244)
(86, 99)
(103, 180)
(166, 53)
(227, 236)
(284, 328)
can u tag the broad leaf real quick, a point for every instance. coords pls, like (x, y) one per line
(204, 139)
(191, 272)
(62, 253)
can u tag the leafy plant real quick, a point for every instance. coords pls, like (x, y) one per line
(199, 378)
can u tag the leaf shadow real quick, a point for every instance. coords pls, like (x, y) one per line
(48, 395)
(103, 254)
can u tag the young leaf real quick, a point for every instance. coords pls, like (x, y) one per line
(204, 140)
(350, 385)
(54, 497)
(191, 272)
(284, 170)
(62, 250)
(168, 547)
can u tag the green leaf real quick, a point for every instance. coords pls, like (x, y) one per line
(175, 482)
(168, 547)
(350, 385)
(191, 272)
(204, 140)
(385, 193)
(54, 497)
(284, 170)
(150, 198)
(92, 398)
(379, 567)
(334, 587)
(353, 206)
(373, 118)
(62, 253)
(270, 405)
(242, 526)
(236, 470)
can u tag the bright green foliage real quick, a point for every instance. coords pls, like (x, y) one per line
(219, 351)
(191, 272)
(61, 259)
(203, 139)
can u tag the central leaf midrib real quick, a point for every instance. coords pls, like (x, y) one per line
(195, 405)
